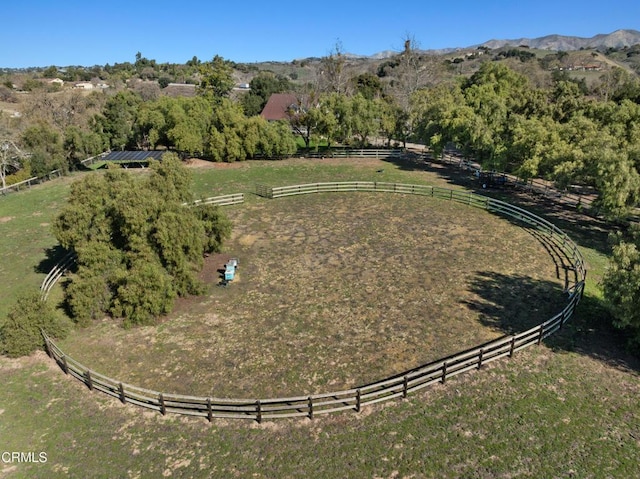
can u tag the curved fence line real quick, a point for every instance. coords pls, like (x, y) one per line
(55, 274)
(397, 386)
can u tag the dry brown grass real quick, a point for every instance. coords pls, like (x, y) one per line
(334, 291)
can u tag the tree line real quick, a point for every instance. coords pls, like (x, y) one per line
(558, 129)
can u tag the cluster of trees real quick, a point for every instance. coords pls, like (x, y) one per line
(557, 133)
(206, 126)
(621, 283)
(496, 115)
(55, 132)
(137, 246)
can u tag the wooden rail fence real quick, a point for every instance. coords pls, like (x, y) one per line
(356, 153)
(532, 185)
(55, 274)
(226, 200)
(17, 186)
(397, 386)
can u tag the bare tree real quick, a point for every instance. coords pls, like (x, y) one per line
(63, 110)
(414, 70)
(333, 77)
(10, 156)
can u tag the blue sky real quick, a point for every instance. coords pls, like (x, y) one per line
(70, 32)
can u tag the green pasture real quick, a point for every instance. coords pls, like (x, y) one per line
(566, 409)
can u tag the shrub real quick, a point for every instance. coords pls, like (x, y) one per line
(137, 246)
(21, 332)
(621, 284)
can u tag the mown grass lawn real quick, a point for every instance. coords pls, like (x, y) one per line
(568, 408)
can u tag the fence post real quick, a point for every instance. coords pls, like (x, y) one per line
(163, 408)
(444, 372)
(405, 387)
(47, 346)
(358, 401)
(121, 389)
(209, 410)
(513, 346)
(259, 411)
(65, 366)
(310, 407)
(541, 334)
(480, 358)
(87, 375)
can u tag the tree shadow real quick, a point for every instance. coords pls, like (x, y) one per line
(515, 303)
(52, 257)
(590, 332)
(409, 161)
(585, 230)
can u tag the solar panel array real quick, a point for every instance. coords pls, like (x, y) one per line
(133, 155)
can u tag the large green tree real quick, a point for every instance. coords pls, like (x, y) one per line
(117, 120)
(499, 118)
(216, 77)
(621, 284)
(138, 247)
(46, 147)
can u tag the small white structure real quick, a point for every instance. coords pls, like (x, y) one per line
(84, 85)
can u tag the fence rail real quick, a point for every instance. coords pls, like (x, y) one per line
(531, 185)
(17, 186)
(55, 274)
(49, 176)
(356, 153)
(397, 386)
(226, 200)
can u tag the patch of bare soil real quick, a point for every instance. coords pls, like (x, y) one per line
(334, 291)
(198, 163)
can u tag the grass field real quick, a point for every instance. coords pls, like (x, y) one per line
(568, 408)
(336, 290)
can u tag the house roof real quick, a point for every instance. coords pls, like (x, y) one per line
(277, 106)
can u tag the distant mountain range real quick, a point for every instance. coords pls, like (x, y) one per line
(617, 39)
